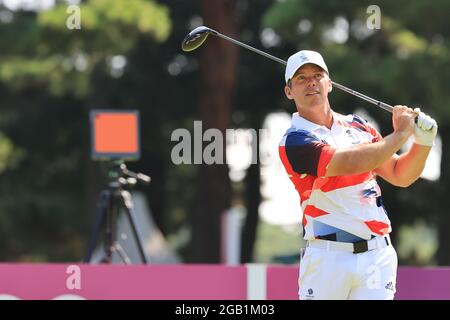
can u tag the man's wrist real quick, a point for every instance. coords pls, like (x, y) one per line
(423, 145)
(402, 135)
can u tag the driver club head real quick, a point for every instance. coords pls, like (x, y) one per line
(195, 38)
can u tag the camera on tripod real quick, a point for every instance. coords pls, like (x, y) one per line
(114, 140)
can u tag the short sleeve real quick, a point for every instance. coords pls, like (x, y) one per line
(308, 154)
(375, 134)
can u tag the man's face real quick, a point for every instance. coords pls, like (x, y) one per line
(309, 86)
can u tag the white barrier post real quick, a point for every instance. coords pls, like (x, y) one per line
(231, 237)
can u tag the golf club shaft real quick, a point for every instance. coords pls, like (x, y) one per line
(380, 104)
(250, 48)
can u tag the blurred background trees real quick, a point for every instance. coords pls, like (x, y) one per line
(127, 55)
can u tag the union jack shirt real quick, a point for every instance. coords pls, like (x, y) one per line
(347, 205)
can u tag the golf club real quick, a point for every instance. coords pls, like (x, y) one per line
(198, 36)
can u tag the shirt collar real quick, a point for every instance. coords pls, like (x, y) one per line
(301, 123)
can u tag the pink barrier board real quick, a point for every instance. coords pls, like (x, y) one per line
(185, 282)
(423, 283)
(159, 282)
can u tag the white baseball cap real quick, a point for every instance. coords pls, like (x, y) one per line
(301, 58)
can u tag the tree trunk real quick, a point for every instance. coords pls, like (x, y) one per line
(443, 254)
(253, 200)
(218, 77)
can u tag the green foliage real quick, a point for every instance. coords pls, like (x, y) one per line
(285, 15)
(62, 59)
(277, 243)
(108, 26)
(10, 156)
(398, 62)
(50, 77)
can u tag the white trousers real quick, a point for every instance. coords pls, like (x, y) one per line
(333, 274)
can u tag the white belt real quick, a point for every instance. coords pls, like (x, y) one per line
(358, 247)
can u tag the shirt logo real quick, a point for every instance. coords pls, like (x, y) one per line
(354, 139)
(310, 295)
(369, 196)
(390, 286)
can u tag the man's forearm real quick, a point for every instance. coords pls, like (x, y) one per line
(409, 165)
(365, 157)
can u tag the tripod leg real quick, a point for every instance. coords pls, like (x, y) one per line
(110, 227)
(118, 248)
(129, 208)
(101, 209)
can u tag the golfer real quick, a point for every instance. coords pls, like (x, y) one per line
(333, 161)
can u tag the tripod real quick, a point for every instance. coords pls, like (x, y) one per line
(110, 201)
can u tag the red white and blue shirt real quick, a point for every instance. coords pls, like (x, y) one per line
(351, 205)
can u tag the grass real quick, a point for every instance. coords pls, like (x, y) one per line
(278, 244)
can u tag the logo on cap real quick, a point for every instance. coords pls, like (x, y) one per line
(303, 57)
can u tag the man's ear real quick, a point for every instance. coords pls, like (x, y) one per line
(330, 88)
(287, 92)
